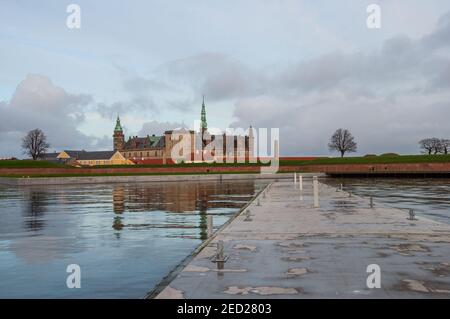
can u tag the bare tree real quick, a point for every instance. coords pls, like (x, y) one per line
(342, 141)
(445, 145)
(35, 144)
(427, 145)
(431, 145)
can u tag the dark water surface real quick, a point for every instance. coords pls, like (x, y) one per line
(124, 237)
(429, 197)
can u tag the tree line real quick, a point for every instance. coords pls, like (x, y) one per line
(343, 141)
(434, 145)
(34, 143)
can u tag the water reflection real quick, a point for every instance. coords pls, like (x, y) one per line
(35, 209)
(134, 233)
(428, 196)
(183, 198)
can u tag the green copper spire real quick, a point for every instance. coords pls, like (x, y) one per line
(118, 127)
(203, 119)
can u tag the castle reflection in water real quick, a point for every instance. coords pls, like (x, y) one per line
(188, 197)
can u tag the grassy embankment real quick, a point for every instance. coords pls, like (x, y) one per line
(399, 159)
(29, 164)
(319, 161)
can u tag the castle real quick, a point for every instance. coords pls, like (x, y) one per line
(153, 149)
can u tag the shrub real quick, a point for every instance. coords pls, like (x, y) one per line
(389, 154)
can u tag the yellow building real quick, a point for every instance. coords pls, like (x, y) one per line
(86, 158)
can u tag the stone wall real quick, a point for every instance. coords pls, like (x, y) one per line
(331, 169)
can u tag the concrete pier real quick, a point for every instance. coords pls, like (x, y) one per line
(289, 249)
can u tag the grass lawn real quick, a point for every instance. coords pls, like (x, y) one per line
(374, 160)
(318, 161)
(28, 164)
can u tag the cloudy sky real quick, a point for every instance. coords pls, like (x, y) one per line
(305, 67)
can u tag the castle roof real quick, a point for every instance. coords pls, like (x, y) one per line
(87, 155)
(97, 155)
(49, 155)
(149, 142)
(118, 127)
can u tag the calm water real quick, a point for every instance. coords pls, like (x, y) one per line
(428, 197)
(125, 237)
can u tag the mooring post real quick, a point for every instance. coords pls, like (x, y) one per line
(209, 227)
(300, 182)
(371, 202)
(316, 191)
(220, 255)
(247, 216)
(295, 179)
(342, 187)
(412, 215)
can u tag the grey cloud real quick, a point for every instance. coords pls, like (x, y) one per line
(142, 85)
(306, 122)
(136, 104)
(158, 128)
(440, 38)
(217, 75)
(389, 98)
(38, 103)
(401, 61)
(141, 92)
(182, 105)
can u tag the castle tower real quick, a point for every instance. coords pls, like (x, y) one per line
(118, 137)
(204, 124)
(251, 145)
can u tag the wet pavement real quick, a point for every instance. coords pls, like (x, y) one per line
(285, 248)
(429, 197)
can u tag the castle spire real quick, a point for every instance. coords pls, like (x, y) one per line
(204, 124)
(118, 127)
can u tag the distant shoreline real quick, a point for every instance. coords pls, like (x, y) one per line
(73, 180)
(369, 166)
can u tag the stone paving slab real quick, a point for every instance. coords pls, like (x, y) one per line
(285, 248)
